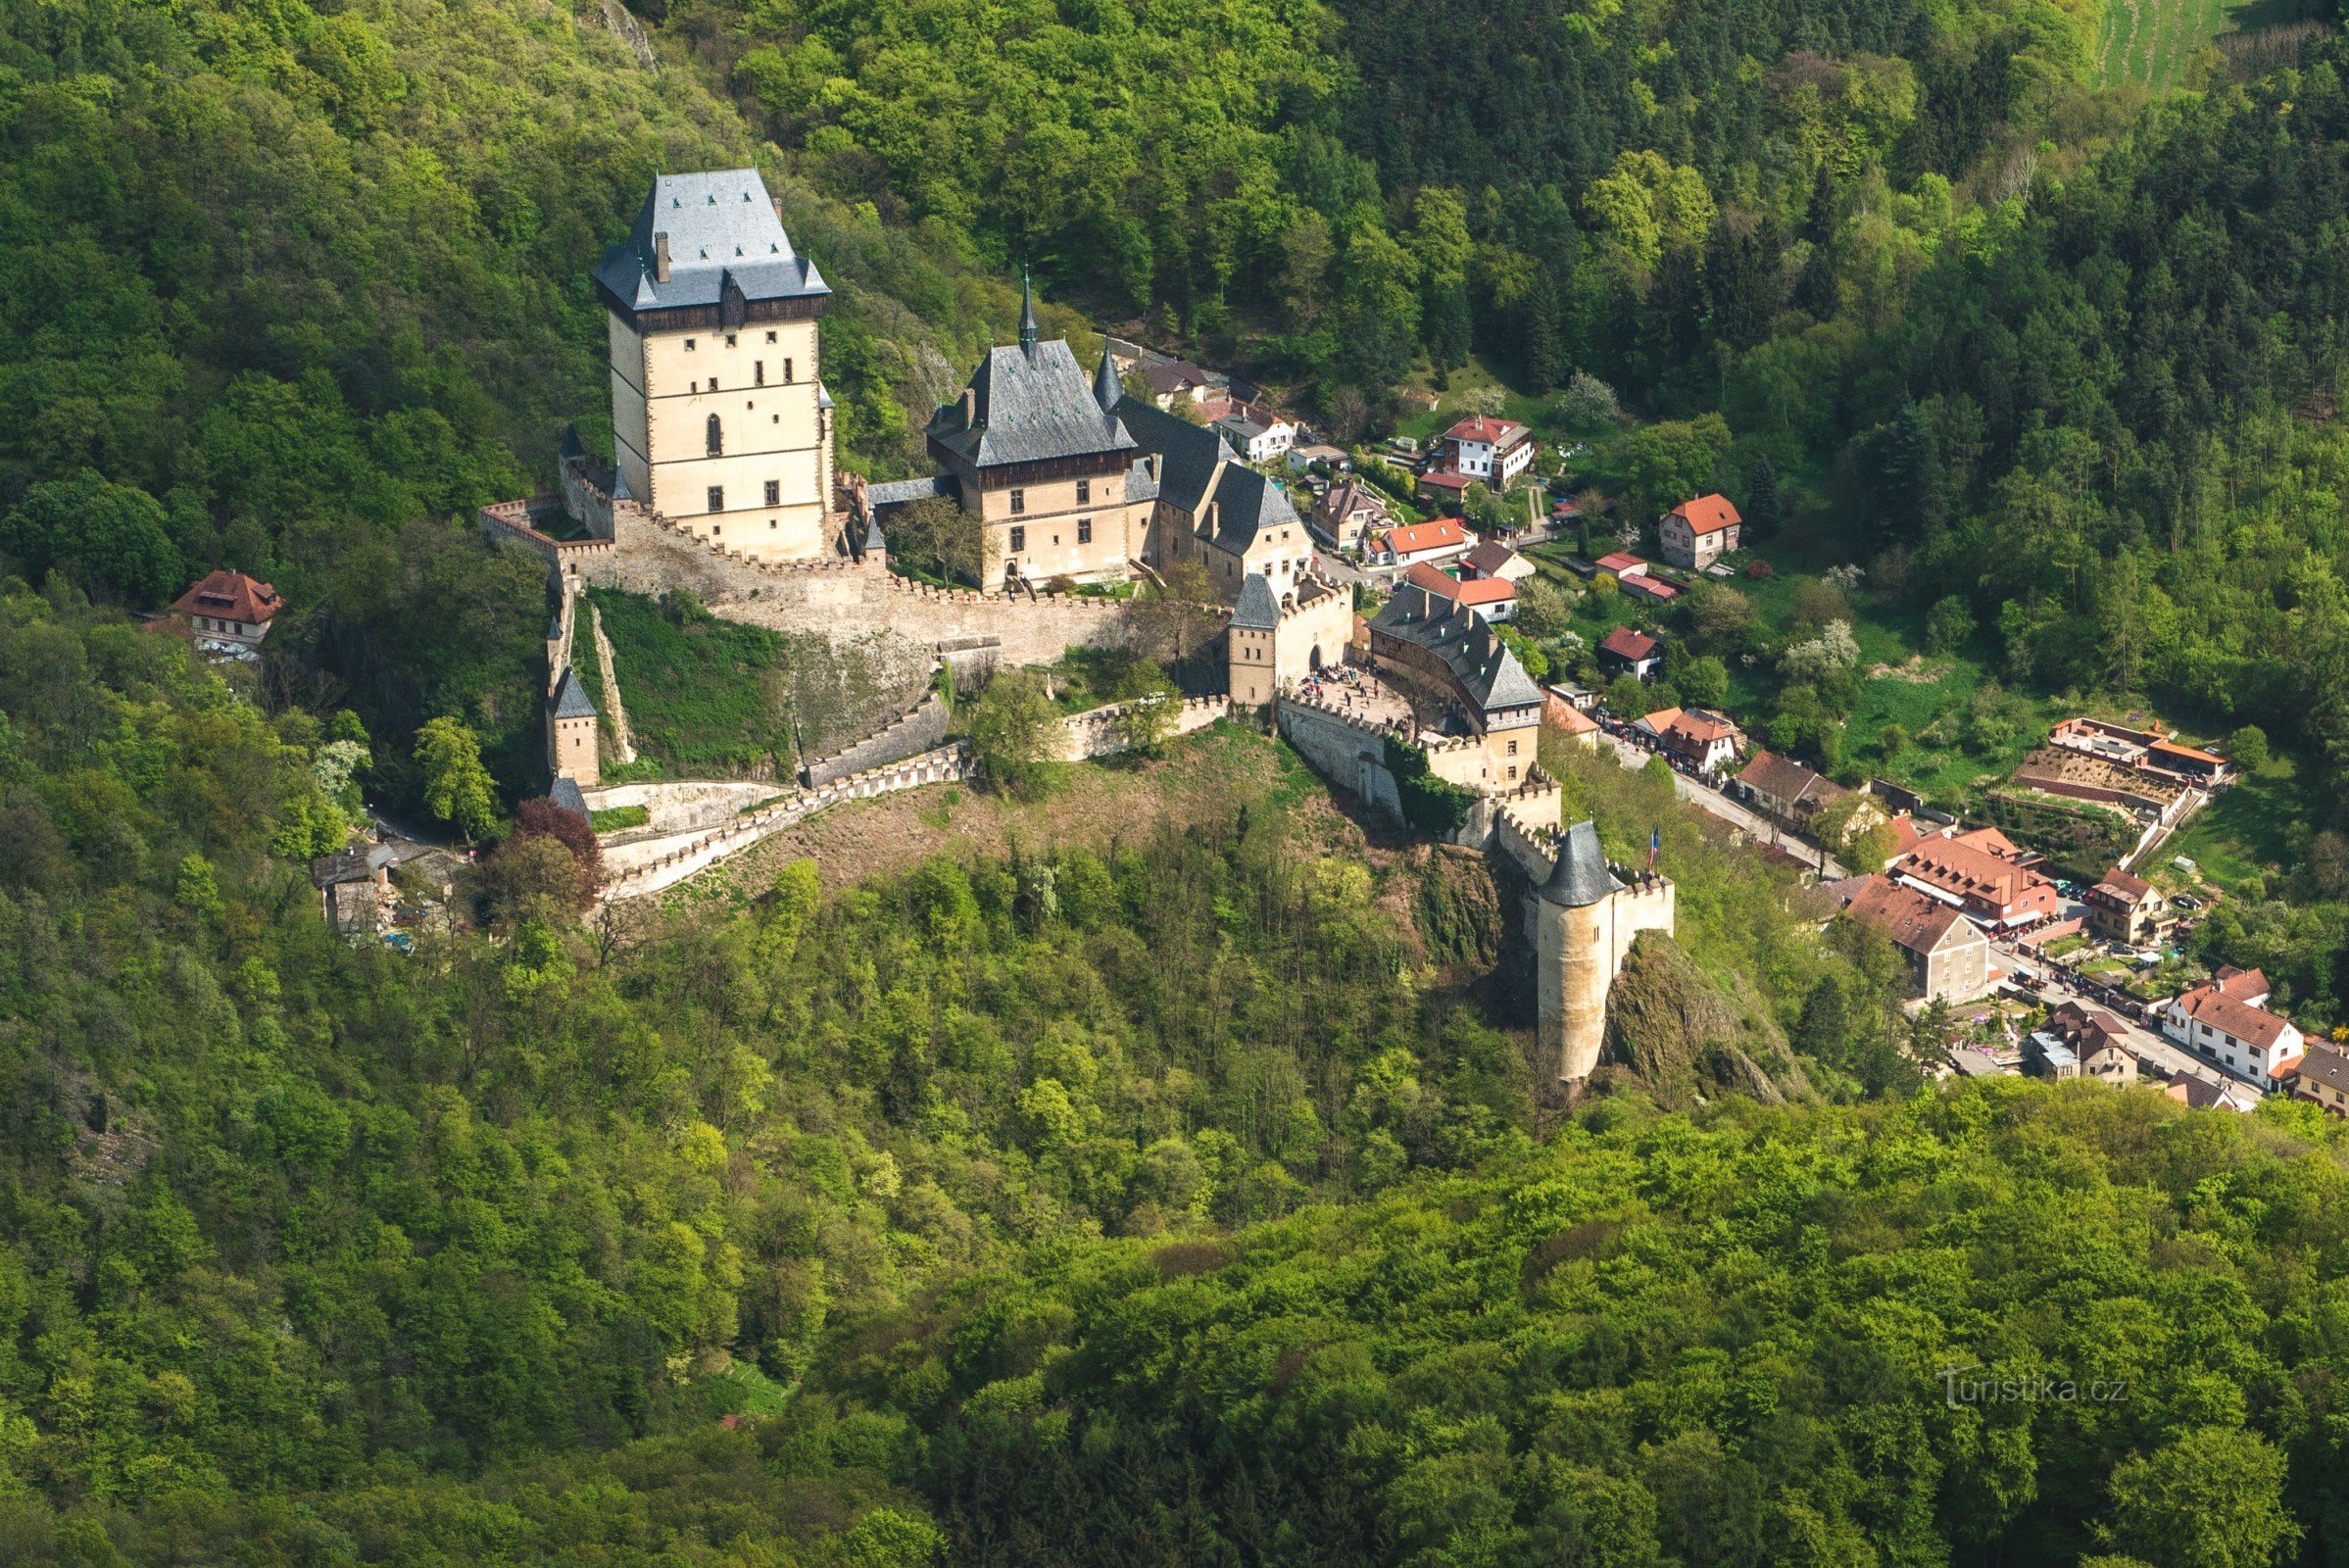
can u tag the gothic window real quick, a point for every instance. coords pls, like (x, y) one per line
(717, 438)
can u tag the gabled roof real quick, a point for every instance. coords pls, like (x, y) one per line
(1487, 429)
(2119, 887)
(564, 792)
(229, 596)
(1624, 643)
(1200, 472)
(571, 698)
(1640, 583)
(2244, 985)
(1581, 877)
(1351, 495)
(2212, 1005)
(1785, 779)
(2325, 1064)
(1172, 375)
(1620, 563)
(898, 492)
(1965, 869)
(1707, 515)
(1029, 404)
(1572, 720)
(1909, 919)
(1444, 533)
(1257, 610)
(1464, 641)
(1491, 557)
(1445, 479)
(1477, 591)
(721, 228)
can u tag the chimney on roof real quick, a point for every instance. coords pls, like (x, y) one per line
(1154, 462)
(1214, 516)
(660, 257)
(970, 406)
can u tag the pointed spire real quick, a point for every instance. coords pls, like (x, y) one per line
(1027, 315)
(1106, 390)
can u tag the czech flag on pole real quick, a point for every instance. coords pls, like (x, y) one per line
(1656, 843)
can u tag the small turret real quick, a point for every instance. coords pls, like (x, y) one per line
(1105, 388)
(1027, 316)
(1581, 877)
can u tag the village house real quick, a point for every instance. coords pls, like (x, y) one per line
(1347, 514)
(1493, 598)
(1983, 874)
(228, 611)
(1492, 559)
(1563, 706)
(1704, 741)
(2153, 751)
(1948, 956)
(2127, 908)
(2227, 1021)
(1793, 794)
(1437, 542)
(2171, 757)
(2097, 1041)
(1318, 454)
(1614, 569)
(1257, 433)
(1696, 533)
(2322, 1078)
(1486, 447)
(1442, 487)
(1625, 651)
(2200, 1093)
(1436, 643)
(1173, 381)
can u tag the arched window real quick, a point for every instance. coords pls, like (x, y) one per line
(717, 438)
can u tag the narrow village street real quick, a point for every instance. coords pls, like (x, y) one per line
(1711, 800)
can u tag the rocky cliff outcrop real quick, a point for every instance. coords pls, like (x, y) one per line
(1677, 1033)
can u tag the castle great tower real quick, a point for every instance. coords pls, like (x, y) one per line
(719, 421)
(1584, 920)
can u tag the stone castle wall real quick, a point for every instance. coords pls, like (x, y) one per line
(920, 729)
(1350, 753)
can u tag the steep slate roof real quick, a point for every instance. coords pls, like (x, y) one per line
(1581, 877)
(1464, 641)
(721, 224)
(1257, 610)
(1908, 919)
(1706, 514)
(897, 492)
(229, 596)
(564, 792)
(1031, 403)
(1197, 467)
(571, 698)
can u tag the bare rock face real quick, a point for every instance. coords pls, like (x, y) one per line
(1680, 1036)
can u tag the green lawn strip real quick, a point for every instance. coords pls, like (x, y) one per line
(2252, 827)
(696, 702)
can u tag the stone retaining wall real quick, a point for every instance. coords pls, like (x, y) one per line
(920, 729)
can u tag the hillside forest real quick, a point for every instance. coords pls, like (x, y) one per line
(1186, 1193)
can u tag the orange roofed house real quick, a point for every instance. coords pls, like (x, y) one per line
(1486, 447)
(228, 608)
(1983, 874)
(1437, 541)
(1948, 954)
(1696, 533)
(1705, 741)
(1494, 598)
(2227, 1022)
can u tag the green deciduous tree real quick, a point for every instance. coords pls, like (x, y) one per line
(458, 789)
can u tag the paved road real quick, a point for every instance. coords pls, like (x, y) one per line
(1720, 805)
(2049, 983)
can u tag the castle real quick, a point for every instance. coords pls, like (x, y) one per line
(724, 482)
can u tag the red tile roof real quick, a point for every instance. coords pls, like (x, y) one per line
(1707, 515)
(1909, 918)
(1624, 643)
(1966, 869)
(1488, 430)
(1572, 720)
(1445, 479)
(1651, 587)
(1480, 591)
(2192, 754)
(229, 596)
(1621, 562)
(1444, 533)
(2211, 1005)
(2119, 887)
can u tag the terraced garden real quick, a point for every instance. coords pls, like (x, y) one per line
(2151, 40)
